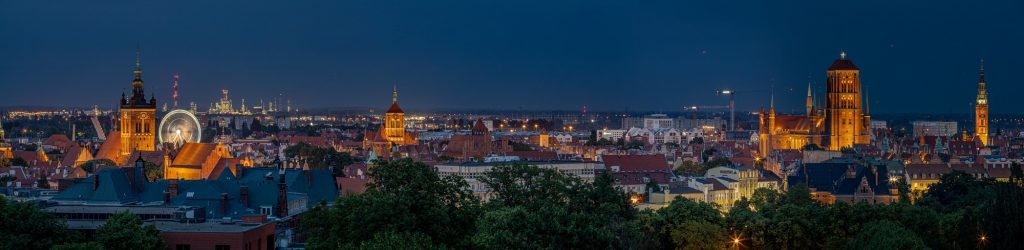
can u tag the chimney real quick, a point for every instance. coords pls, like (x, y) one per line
(309, 176)
(224, 204)
(243, 195)
(95, 182)
(282, 198)
(167, 197)
(172, 188)
(239, 171)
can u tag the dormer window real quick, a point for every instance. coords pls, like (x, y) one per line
(267, 210)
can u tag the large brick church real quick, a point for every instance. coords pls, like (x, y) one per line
(843, 122)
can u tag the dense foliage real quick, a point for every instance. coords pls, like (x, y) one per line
(24, 226)
(319, 157)
(126, 231)
(536, 208)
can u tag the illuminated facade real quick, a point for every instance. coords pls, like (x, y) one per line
(845, 119)
(5, 148)
(200, 161)
(392, 133)
(981, 110)
(394, 123)
(842, 123)
(138, 119)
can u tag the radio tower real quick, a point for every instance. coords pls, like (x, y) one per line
(174, 95)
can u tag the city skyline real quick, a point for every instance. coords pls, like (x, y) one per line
(560, 56)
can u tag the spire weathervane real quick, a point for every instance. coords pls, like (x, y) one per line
(842, 55)
(394, 94)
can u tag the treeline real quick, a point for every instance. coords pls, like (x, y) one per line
(25, 226)
(408, 206)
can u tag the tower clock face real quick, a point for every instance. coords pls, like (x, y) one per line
(143, 115)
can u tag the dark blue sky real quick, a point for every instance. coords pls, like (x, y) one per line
(915, 56)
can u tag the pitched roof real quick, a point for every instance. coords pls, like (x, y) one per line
(842, 64)
(637, 163)
(59, 141)
(114, 187)
(111, 147)
(193, 154)
(394, 108)
(71, 156)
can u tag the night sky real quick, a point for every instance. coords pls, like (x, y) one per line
(915, 56)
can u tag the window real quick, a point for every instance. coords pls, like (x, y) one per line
(182, 247)
(266, 210)
(222, 247)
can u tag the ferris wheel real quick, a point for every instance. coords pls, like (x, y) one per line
(179, 127)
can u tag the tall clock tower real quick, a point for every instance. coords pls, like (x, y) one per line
(981, 110)
(138, 118)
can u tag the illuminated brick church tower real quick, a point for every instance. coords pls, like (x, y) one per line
(981, 110)
(846, 123)
(138, 118)
(841, 123)
(394, 121)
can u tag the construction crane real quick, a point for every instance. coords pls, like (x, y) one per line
(732, 106)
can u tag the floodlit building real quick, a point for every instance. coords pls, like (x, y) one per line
(843, 122)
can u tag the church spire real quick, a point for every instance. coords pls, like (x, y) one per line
(982, 93)
(810, 99)
(394, 94)
(138, 68)
(2, 133)
(867, 102)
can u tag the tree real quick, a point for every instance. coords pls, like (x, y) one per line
(697, 140)
(717, 162)
(519, 146)
(542, 208)
(403, 197)
(689, 168)
(399, 240)
(43, 183)
(318, 157)
(685, 224)
(812, 146)
(91, 245)
(91, 165)
(153, 171)
(885, 235)
(18, 161)
(24, 226)
(126, 231)
(5, 179)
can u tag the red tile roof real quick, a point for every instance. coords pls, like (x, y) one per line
(348, 186)
(394, 108)
(637, 163)
(842, 64)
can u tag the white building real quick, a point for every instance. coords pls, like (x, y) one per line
(879, 124)
(658, 121)
(934, 128)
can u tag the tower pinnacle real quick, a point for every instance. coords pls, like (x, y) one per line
(394, 94)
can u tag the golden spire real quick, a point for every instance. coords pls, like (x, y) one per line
(982, 93)
(867, 102)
